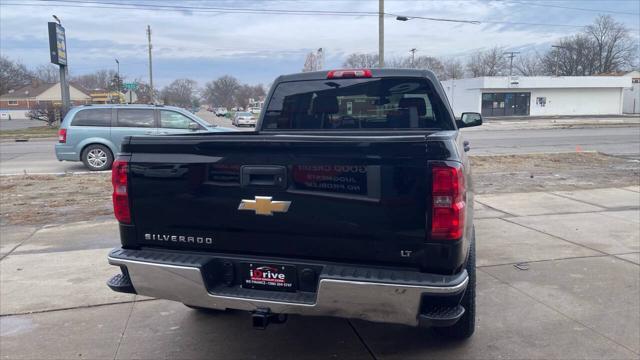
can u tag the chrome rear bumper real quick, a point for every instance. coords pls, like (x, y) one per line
(388, 302)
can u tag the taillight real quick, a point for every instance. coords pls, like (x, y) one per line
(62, 136)
(119, 179)
(338, 74)
(447, 215)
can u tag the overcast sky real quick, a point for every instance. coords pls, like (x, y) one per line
(203, 44)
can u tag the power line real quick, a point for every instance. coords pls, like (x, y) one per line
(573, 8)
(216, 9)
(226, 10)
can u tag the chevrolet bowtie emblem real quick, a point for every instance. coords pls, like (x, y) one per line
(263, 205)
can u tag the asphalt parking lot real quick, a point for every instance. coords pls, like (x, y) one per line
(574, 294)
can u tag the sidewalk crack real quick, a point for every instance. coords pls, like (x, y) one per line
(126, 324)
(555, 236)
(22, 242)
(605, 208)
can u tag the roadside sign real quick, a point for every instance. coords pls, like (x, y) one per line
(130, 97)
(57, 44)
(131, 86)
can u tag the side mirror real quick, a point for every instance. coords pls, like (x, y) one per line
(469, 119)
(193, 126)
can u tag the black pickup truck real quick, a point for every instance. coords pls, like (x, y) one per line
(353, 198)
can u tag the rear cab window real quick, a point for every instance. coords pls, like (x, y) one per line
(92, 117)
(357, 104)
(141, 118)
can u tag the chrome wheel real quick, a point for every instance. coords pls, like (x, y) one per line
(97, 158)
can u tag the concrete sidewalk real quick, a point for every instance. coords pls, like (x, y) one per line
(574, 294)
(530, 123)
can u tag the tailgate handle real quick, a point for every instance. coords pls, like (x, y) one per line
(274, 176)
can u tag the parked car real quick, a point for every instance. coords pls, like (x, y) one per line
(360, 211)
(244, 118)
(254, 110)
(93, 133)
(221, 111)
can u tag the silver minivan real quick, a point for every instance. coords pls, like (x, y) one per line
(93, 133)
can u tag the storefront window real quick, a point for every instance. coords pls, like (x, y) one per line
(505, 104)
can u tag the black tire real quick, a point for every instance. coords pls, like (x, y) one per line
(97, 157)
(465, 327)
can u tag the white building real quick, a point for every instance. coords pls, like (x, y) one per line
(631, 96)
(538, 95)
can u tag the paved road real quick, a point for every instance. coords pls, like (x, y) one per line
(38, 156)
(610, 140)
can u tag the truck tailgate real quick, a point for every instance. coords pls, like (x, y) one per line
(359, 198)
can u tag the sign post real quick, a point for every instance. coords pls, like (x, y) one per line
(58, 52)
(130, 94)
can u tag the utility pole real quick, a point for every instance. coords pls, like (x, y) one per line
(557, 47)
(150, 65)
(413, 56)
(381, 33)
(511, 55)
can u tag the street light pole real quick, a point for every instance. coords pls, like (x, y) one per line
(118, 72)
(381, 33)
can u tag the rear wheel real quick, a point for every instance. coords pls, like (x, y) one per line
(465, 327)
(97, 157)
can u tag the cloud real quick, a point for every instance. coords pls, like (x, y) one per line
(258, 47)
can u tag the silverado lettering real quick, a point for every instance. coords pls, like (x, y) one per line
(353, 198)
(179, 238)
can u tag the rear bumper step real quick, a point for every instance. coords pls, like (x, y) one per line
(437, 315)
(373, 294)
(121, 283)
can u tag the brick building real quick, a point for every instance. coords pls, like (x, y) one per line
(19, 101)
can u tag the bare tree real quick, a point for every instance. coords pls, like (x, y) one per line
(614, 47)
(360, 61)
(180, 92)
(47, 73)
(246, 92)
(490, 62)
(100, 79)
(529, 64)
(606, 46)
(143, 91)
(222, 91)
(453, 69)
(44, 111)
(420, 62)
(13, 75)
(572, 56)
(429, 63)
